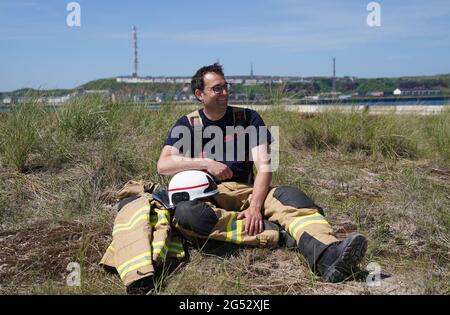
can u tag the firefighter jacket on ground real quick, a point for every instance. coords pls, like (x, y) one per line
(142, 235)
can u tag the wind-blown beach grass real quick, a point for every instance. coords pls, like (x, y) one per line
(386, 176)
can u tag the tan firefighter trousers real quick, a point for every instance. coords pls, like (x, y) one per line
(286, 206)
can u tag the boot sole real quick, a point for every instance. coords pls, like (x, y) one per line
(342, 268)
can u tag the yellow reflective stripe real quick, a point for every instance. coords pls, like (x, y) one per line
(140, 215)
(303, 225)
(230, 227)
(158, 243)
(238, 231)
(162, 211)
(176, 244)
(143, 217)
(176, 248)
(160, 248)
(111, 248)
(134, 263)
(132, 260)
(159, 222)
(162, 216)
(294, 223)
(146, 262)
(137, 213)
(234, 229)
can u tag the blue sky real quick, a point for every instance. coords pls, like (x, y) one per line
(280, 37)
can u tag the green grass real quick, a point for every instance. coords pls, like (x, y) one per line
(437, 130)
(388, 175)
(21, 134)
(387, 136)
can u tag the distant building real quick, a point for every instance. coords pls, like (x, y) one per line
(7, 100)
(417, 92)
(263, 81)
(312, 98)
(241, 79)
(375, 93)
(182, 80)
(250, 82)
(421, 92)
(235, 81)
(134, 80)
(104, 92)
(58, 100)
(297, 80)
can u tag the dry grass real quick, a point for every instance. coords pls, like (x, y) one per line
(59, 208)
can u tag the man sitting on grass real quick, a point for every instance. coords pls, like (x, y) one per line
(247, 206)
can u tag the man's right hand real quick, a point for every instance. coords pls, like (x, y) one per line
(219, 170)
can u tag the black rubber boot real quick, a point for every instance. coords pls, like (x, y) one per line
(339, 260)
(142, 286)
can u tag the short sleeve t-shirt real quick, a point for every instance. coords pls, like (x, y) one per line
(222, 141)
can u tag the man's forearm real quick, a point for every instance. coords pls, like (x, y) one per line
(260, 189)
(174, 164)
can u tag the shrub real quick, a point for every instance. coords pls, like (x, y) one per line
(84, 118)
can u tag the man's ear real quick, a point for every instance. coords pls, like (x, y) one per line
(199, 95)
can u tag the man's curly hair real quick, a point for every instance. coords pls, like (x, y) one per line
(197, 79)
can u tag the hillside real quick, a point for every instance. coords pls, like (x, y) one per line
(344, 85)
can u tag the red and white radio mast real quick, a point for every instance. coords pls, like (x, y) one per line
(135, 73)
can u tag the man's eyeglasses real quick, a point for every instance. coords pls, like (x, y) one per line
(220, 88)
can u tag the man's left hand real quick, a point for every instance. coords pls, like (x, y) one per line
(254, 223)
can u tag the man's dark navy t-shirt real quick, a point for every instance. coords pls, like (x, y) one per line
(242, 168)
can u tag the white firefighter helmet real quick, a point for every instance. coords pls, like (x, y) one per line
(191, 185)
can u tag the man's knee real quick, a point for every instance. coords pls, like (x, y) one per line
(196, 216)
(292, 196)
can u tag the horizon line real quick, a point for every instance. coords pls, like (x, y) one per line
(231, 75)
